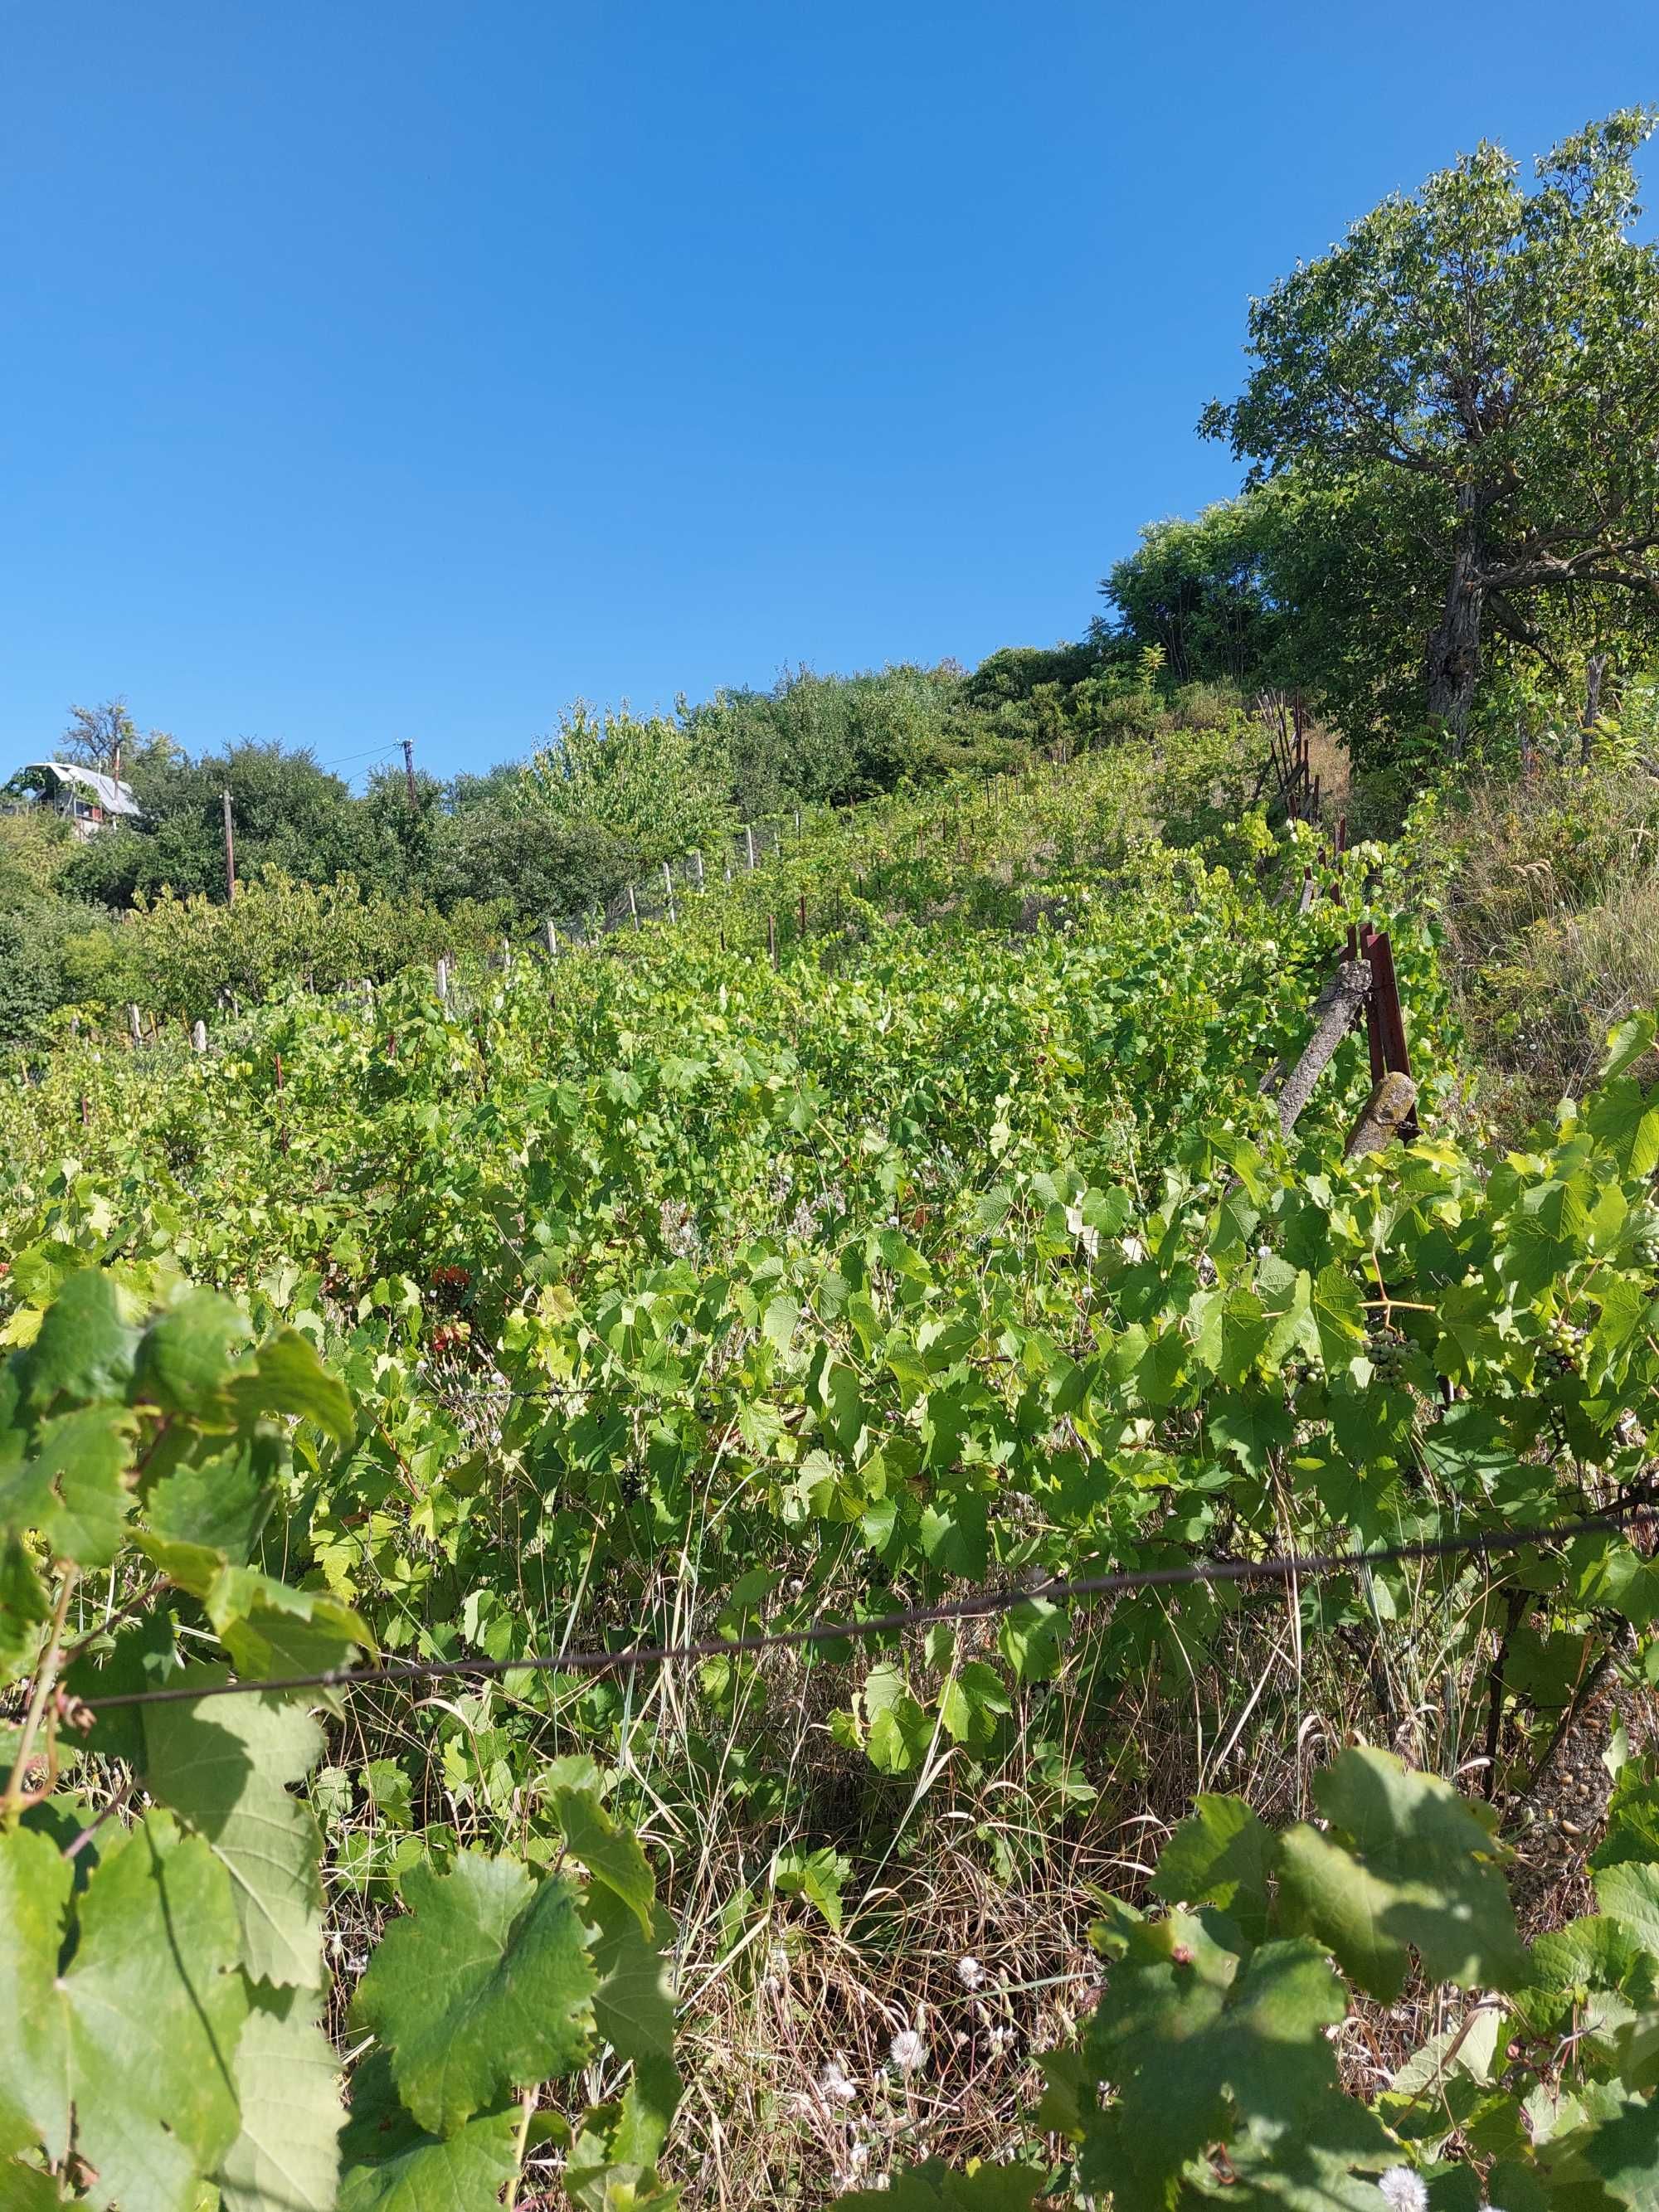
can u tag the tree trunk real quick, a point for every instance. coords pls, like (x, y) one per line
(1454, 656)
(1595, 669)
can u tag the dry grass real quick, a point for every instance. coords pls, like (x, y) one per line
(1552, 911)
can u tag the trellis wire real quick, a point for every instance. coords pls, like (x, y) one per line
(1283, 1567)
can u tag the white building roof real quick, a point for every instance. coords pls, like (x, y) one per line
(103, 790)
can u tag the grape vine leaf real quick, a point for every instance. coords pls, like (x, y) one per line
(216, 1508)
(485, 1984)
(138, 2034)
(612, 1854)
(819, 1876)
(1628, 1892)
(392, 2165)
(1201, 2049)
(286, 1376)
(23, 1606)
(85, 1347)
(935, 2187)
(224, 1765)
(1223, 1855)
(899, 1729)
(287, 2158)
(184, 1359)
(1406, 1860)
(75, 1490)
(272, 1630)
(633, 2004)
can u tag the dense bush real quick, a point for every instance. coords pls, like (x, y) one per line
(54, 950)
(280, 932)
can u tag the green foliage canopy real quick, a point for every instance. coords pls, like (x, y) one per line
(1476, 369)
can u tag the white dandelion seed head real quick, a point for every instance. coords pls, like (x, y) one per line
(1402, 2191)
(969, 1973)
(909, 2052)
(837, 2084)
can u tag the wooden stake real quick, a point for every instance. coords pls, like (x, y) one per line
(633, 906)
(772, 937)
(1334, 1012)
(1387, 1113)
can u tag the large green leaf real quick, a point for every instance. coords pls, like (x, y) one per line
(1199, 2050)
(389, 2164)
(485, 1985)
(612, 1856)
(287, 2158)
(286, 1377)
(213, 1511)
(185, 1357)
(273, 1632)
(633, 2004)
(936, 2187)
(1629, 1893)
(137, 2036)
(23, 1606)
(85, 1347)
(224, 1765)
(1223, 1855)
(75, 1490)
(1406, 1861)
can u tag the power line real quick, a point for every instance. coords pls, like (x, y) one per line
(1283, 1567)
(367, 753)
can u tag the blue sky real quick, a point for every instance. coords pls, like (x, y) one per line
(380, 369)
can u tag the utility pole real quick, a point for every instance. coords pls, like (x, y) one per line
(230, 853)
(409, 771)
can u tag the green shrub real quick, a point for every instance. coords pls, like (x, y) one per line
(185, 952)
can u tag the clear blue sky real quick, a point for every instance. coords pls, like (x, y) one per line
(389, 367)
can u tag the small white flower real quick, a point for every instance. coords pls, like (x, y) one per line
(1001, 2038)
(836, 2084)
(969, 1973)
(1402, 2191)
(909, 2054)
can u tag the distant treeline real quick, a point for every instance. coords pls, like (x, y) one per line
(336, 884)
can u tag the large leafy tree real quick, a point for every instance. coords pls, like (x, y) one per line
(1197, 589)
(1482, 362)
